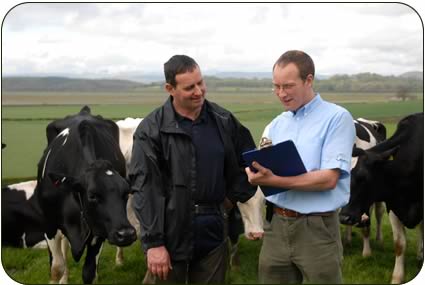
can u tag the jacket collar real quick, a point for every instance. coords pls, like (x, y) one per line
(203, 115)
(170, 122)
(170, 118)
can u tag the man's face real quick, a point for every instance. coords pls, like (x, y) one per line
(189, 92)
(291, 90)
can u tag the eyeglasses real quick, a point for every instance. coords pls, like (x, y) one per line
(276, 88)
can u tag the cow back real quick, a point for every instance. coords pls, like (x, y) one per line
(57, 126)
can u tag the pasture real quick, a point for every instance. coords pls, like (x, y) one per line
(26, 115)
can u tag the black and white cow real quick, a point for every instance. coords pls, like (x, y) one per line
(368, 134)
(127, 128)
(15, 206)
(82, 191)
(22, 222)
(398, 182)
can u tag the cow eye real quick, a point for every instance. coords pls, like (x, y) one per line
(93, 197)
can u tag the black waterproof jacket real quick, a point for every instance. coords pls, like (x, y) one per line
(163, 176)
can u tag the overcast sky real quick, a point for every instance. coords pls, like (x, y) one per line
(111, 39)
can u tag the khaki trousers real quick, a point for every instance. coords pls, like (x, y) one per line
(305, 249)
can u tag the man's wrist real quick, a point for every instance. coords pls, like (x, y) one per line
(152, 244)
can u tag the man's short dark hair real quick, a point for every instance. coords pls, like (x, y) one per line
(178, 64)
(302, 60)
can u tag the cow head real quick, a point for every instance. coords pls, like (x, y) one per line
(367, 174)
(101, 194)
(252, 215)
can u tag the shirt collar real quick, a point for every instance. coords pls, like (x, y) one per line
(309, 107)
(202, 116)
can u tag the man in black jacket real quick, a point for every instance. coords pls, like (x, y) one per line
(186, 162)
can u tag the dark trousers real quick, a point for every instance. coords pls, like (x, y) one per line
(210, 269)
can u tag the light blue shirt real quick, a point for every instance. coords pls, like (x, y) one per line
(324, 135)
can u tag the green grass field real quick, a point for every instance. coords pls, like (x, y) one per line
(25, 117)
(23, 126)
(30, 266)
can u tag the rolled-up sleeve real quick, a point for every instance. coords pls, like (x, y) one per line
(338, 144)
(146, 185)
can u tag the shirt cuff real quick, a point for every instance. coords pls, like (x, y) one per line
(340, 162)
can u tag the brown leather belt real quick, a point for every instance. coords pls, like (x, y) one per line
(294, 214)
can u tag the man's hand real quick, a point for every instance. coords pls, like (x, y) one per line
(159, 262)
(261, 177)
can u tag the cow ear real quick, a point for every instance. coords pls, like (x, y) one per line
(388, 153)
(85, 110)
(59, 179)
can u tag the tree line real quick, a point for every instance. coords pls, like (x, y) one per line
(362, 82)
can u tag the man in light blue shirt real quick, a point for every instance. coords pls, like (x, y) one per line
(303, 243)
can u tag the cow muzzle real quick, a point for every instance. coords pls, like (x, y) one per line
(363, 221)
(124, 237)
(348, 220)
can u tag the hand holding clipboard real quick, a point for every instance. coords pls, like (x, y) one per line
(282, 159)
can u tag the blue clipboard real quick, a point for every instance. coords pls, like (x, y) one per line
(282, 159)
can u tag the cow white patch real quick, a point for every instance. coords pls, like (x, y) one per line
(45, 162)
(127, 128)
(365, 144)
(109, 172)
(354, 162)
(28, 187)
(97, 259)
(58, 264)
(93, 241)
(374, 123)
(364, 218)
(24, 243)
(64, 133)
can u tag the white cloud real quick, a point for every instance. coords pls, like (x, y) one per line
(113, 37)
